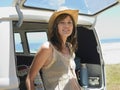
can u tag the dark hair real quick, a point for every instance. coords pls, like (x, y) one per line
(55, 38)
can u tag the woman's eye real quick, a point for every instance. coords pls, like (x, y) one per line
(66, 23)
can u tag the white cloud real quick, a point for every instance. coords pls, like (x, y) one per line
(56, 3)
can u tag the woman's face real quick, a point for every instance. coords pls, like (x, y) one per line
(65, 27)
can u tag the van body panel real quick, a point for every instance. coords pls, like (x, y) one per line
(8, 78)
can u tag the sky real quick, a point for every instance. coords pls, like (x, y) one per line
(4, 3)
(108, 23)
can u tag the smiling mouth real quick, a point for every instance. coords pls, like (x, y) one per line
(65, 30)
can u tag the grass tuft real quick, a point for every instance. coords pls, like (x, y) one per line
(113, 76)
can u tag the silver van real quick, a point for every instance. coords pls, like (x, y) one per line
(23, 28)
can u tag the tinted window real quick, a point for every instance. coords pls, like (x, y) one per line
(35, 40)
(18, 43)
(89, 7)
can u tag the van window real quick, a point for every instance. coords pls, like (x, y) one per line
(18, 43)
(35, 40)
(84, 6)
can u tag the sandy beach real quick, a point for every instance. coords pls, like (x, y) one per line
(111, 52)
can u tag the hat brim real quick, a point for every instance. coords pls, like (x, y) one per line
(73, 13)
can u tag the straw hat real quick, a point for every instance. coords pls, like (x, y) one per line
(73, 13)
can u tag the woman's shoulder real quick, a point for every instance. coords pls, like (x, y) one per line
(45, 48)
(46, 45)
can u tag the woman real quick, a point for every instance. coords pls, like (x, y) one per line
(55, 58)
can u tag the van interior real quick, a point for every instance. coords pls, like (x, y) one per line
(87, 52)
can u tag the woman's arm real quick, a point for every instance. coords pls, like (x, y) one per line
(40, 59)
